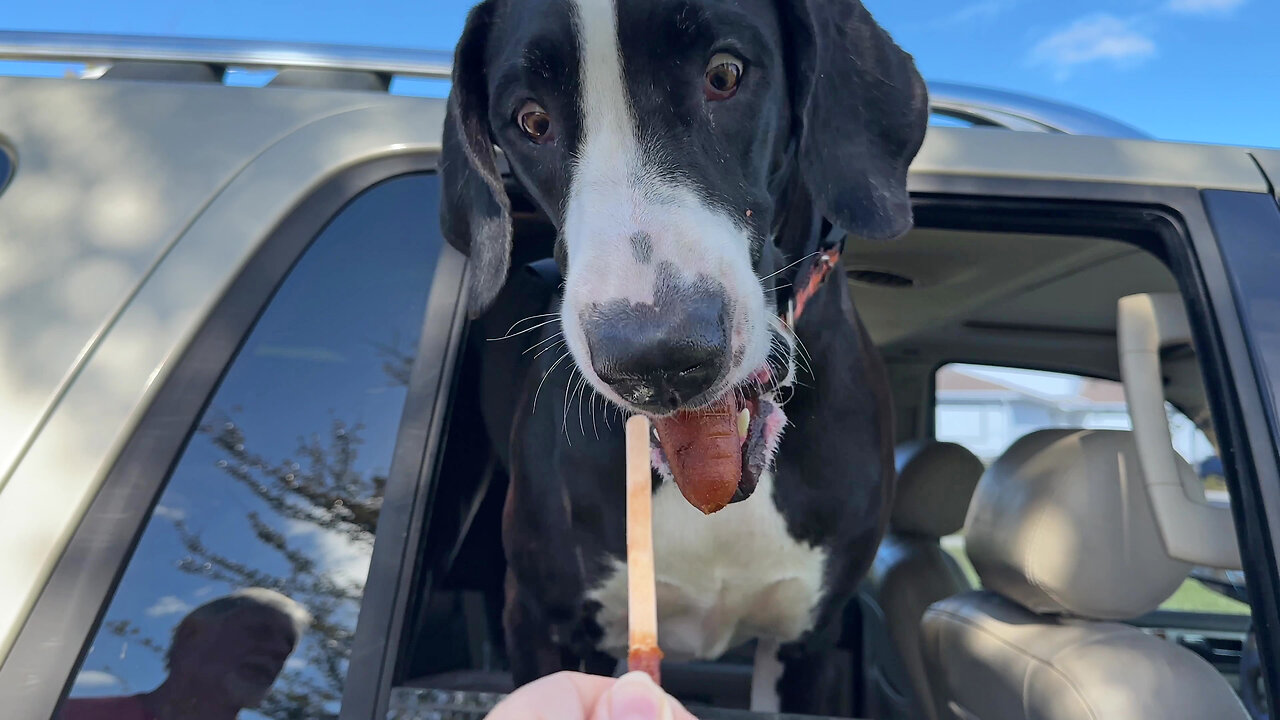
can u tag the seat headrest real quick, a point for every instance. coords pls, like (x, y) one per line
(1062, 524)
(935, 482)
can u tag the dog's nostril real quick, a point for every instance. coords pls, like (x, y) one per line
(672, 400)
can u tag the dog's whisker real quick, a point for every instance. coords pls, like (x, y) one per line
(571, 391)
(779, 287)
(804, 351)
(802, 363)
(540, 342)
(544, 379)
(577, 387)
(582, 389)
(549, 347)
(806, 361)
(786, 353)
(594, 430)
(788, 267)
(517, 323)
(510, 335)
(564, 420)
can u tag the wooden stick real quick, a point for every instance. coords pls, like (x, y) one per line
(644, 654)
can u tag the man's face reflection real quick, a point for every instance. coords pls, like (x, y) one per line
(237, 657)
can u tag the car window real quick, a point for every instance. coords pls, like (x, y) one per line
(986, 409)
(246, 584)
(6, 167)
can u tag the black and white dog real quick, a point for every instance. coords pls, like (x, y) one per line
(690, 154)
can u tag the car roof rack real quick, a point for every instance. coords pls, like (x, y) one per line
(371, 68)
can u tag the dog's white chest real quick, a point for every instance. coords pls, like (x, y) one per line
(722, 579)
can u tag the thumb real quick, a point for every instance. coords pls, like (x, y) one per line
(636, 697)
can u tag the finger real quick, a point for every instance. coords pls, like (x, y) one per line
(562, 696)
(635, 697)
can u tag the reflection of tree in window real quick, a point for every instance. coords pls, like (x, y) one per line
(281, 485)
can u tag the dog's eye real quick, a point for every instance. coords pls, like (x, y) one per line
(723, 73)
(534, 121)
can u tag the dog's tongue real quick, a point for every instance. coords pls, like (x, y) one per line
(704, 452)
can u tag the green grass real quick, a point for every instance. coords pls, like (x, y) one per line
(1194, 597)
(1190, 597)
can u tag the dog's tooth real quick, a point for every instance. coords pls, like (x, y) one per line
(744, 422)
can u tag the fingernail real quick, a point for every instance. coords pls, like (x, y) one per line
(636, 697)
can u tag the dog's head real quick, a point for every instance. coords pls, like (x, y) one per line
(660, 136)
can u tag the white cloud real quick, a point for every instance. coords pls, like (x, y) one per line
(341, 558)
(980, 10)
(96, 680)
(1095, 38)
(1204, 7)
(171, 513)
(168, 605)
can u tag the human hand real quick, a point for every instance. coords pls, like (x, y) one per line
(575, 696)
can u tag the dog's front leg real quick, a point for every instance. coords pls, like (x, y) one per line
(532, 650)
(815, 681)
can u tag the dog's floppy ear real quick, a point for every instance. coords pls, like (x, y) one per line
(475, 213)
(862, 110)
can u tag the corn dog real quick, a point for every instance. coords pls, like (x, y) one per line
(643, 654)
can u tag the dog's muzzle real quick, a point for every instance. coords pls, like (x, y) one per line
(671, 361)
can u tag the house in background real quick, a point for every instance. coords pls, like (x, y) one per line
(986, 409)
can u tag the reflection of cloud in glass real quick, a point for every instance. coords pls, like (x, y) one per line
(336, 555)
(96, 681)
(171, 513)
(168, 605)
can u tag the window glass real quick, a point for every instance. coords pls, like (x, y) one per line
(987, 408)
(245, 587)
(6, 167)
(943, 120)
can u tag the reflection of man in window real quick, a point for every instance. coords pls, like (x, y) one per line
(224, 657)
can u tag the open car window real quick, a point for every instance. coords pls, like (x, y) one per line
(986, 408)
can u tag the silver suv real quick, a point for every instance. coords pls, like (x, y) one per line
(237, 372)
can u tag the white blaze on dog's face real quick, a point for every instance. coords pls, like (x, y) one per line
(662, 308)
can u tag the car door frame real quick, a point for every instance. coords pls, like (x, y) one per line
(40, 668)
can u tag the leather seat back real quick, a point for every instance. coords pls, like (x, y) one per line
(911, 572)
(1062, 534)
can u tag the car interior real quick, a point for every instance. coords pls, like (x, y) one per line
(1038, 576)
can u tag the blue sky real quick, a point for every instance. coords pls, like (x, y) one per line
(1192, 70)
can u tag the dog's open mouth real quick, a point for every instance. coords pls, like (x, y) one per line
(716, 454)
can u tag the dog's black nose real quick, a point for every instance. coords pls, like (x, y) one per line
(660, 358)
